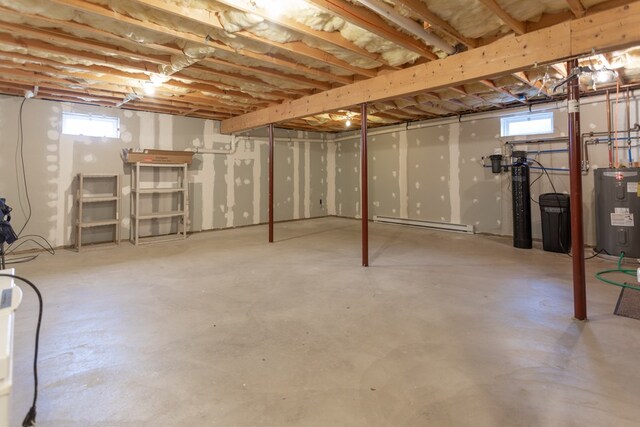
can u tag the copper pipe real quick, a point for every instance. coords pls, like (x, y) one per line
(364, 203)
(627, 107)
(271, 150)
(575, 176)
(610, 148)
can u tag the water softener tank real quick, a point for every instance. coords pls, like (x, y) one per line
(521, 201)
(617, 211)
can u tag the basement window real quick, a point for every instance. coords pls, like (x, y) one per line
(89, 125)
(527, 124)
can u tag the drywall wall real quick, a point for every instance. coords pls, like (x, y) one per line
(434, 170)
(225, 190)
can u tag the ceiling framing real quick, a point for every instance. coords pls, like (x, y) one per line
(306, 68)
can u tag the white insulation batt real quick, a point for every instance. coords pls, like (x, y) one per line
(233, 32)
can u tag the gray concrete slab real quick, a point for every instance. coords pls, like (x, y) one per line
(226, 329)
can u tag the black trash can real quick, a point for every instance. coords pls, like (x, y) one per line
(556, 222)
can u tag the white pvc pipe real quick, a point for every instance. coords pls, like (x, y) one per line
(555, 105)
(408, 24)
(236, 140)
(232, 149)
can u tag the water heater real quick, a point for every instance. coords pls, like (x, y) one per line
(617, 211)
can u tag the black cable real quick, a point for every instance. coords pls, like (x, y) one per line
(533, 182)
(30, 418)
(20, 151)
(595, 255)
(546, 173)
(20, 260)
(24, 172)
(11, 248)
(544, 169)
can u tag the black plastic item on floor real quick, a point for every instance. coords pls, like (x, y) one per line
(628, 304)
(556, 222)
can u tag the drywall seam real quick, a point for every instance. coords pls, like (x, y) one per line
(331, 178)
(257, 182)
(454, 172)
(403, 148)
(307, 179)
(207, 177)
(147, 136)
(296, 181)
(64, 175)
(231, 190)
(165, 130)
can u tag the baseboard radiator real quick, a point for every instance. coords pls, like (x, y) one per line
(434, 225)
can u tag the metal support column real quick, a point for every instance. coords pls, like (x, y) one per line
(364, 202)
(271, 151)
(575, 167)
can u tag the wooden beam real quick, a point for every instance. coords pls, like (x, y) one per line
(373, 23)
(505, 56)
(518, 27)
(422, 10)
(592, 33)
(576, 8)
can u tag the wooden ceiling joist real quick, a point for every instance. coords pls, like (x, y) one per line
(163, 58)
(518, 27)
(201, 16)
(121, 78)
(373, 23)
(140, 66)
(291, 66)
(332, 38)
(422, 10)
(462, 91)
(491, 85)
(524, 78)
(29, 77)
(604, 31)
(576, 8)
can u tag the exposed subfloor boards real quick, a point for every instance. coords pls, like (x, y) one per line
(225, 329)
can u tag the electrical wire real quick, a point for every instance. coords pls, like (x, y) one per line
(20, 260)
(20, 154)
(20, 150)
(29, 238)
(544, 169)
(30, 418)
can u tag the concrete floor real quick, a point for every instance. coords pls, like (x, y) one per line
(224, 329)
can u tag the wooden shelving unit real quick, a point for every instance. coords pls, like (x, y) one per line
(96, 192)
(142, 190)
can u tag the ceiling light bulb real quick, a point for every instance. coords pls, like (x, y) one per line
(158, 79)
(604, 76)
(348, 123)
(275, 9)
(149, 88)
